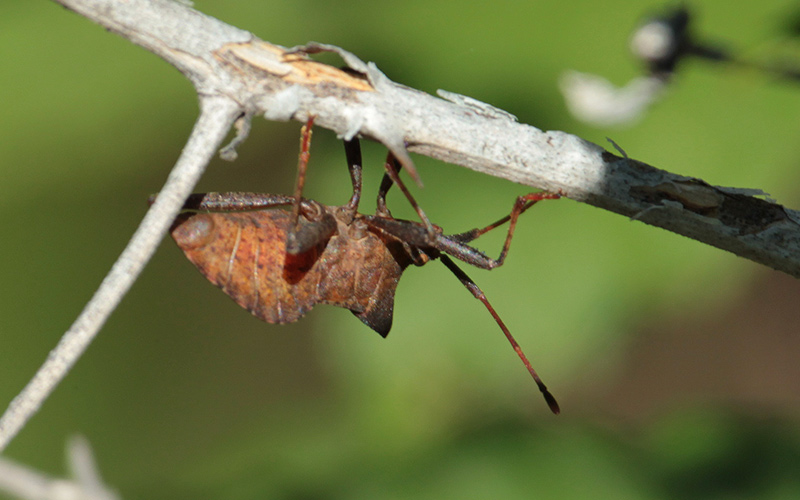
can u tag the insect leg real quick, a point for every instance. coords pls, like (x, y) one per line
(386, 184)
(352, 150)
(478, 294)
(302, 164)
(522, 204)
(302, 237)
(314, 229)
(456, 245)
(392, 177)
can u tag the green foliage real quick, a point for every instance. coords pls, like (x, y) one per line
(184, 395)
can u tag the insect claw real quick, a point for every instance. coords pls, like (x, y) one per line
(551, 401)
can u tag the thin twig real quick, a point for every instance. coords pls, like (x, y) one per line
(215, 119)
(85, 483)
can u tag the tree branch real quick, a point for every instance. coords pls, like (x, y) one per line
(282, 84)
(235, 72)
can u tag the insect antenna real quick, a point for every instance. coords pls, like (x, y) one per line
(478, 294)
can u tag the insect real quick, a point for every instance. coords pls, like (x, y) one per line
(278, 264)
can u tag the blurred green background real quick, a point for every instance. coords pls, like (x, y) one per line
(676, 364)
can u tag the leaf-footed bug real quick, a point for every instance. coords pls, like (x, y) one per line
(278, 264)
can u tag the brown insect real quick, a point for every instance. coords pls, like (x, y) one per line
(279, 264)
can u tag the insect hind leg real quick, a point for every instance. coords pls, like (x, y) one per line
(521, 204)
(478, 294)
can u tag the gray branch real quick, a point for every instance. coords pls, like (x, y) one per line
(85, 482)
(246, 76)
(268, 80)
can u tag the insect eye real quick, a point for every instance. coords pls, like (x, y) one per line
(195, 231)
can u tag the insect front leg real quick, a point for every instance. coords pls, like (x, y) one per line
(303, 236)
(352, 150)
(302, 165)
(316, 226)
